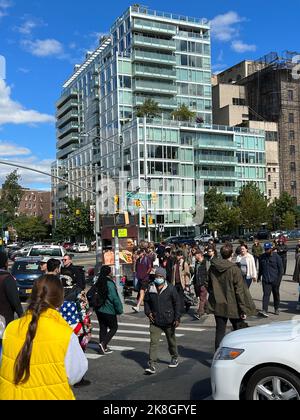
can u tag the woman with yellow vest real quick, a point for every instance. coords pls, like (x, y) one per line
(41, 356)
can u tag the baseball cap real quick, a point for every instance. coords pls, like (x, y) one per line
(268, 246)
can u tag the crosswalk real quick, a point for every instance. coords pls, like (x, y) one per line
(130, 333)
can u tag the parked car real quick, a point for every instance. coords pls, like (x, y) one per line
(180, 240)
(294, 234)
(20, 253)
(12, 249)
(54, 251)
(83, 248)
(68, 246)
(263, 234)
(26, 271)
(74, 248)
(203, 239)
(259, 363)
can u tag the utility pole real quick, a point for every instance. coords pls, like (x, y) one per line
(147, 180)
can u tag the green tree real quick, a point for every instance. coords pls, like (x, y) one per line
(183, 113)
(253, 206)
(216, 210)
(31, 228)
(11, 195)
(75, 222)
(289, 221)
(279, 208)
(149, 109)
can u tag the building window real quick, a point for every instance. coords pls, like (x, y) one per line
(292, 149)
(290, 95)
(275, 185)
(291, 118)
(269, 178)
(291, 135)
(269, 169)
(293, 166)
(274, 169)
(270, 193)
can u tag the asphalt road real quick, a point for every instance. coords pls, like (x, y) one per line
(120, 376)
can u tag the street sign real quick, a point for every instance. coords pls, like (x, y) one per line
(161, 228)
(122, 233)
(139, 196)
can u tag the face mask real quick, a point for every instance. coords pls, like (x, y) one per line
(159, 282)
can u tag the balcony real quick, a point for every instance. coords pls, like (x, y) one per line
(72, 94)
(216, 174)
(153, 57)
(66, 141)
(154, 72)
(145, 86)
(72, 115)
(69, 105)
(224, 190)
(62, 154)
(216, 159)
(218, 144)
(72, 126)
(146, 41)
(151, 26)
(162, 102)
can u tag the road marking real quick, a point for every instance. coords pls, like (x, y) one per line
(126, 324)
(135, 332)
(93, 356)
(125, 338)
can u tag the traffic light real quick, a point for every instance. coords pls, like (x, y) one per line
(116, 199)
(144, 221)
(78, 212)
(138, 203)
(151, 220)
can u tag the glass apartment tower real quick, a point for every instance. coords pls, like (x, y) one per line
(167, 58)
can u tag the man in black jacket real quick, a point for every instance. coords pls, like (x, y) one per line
(271, 272)
(162, 307)
(76, 273)
(9, 297)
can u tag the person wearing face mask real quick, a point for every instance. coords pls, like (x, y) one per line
(162, 307)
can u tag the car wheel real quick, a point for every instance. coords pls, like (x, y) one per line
(273, 383)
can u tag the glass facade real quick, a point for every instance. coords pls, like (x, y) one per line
(167, 58)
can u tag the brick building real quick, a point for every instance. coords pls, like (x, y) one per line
(36, 203)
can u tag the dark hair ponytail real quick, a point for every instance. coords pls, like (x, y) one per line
(47, 293)
(102, 282)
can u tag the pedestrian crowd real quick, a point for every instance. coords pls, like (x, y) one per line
(43, 350)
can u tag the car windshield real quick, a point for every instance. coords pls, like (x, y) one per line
(26, 267)
(46, 252)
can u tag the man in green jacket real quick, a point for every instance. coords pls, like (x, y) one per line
(229, 297)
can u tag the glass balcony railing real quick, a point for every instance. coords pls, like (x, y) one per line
(66, 97)
(150, 25)
(62, 154)
(148, 12)
(66, 141)
(73, 126)
(72, 115)
(225, 190)
(154, 57)
(162, 73)
(69, 105)
(162, 102)
(205, 36)
(216, 159)
(139, 40)
(216, 174)
(143, 85)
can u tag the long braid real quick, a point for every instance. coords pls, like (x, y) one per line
(22, 363)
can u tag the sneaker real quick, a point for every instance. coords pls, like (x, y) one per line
(263, 314)
(101, 349)
(136, 309)
(151, 370)
(174, 363)
(108, 350)
(277, 312)
(197, 316)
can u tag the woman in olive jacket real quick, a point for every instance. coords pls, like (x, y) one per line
(110, 307)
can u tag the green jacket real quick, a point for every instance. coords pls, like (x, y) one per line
(113, 304)
(257, 251)
(229, 296)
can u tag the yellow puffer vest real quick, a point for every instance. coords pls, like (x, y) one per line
(48, 378)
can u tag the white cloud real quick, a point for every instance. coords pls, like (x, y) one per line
(44, 48)
(29, 24)
(241, 47)
(23, 70)
(224, 27)
(4, 6)
(12, 112)
(10, 150)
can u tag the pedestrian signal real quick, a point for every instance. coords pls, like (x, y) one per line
(143, 221)
(138, 203)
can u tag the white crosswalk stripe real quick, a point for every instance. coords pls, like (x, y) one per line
(135, 332)
(126, 324)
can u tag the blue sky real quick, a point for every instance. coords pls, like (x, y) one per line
(42, 40)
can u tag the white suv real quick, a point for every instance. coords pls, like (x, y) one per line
(82, 248)
(52, 251)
